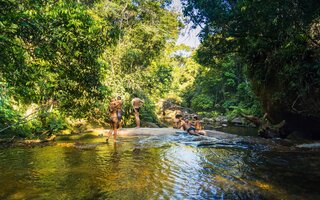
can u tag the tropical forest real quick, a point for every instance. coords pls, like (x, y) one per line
(159, 99)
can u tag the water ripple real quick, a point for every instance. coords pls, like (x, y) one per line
(159, 167)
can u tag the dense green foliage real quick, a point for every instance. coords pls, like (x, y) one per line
(66, 59)
(49, 50)
(222, 88)
(135, 63)
(278, 43)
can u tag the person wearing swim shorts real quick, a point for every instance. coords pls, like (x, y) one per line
(136, 104)
(113, 120)
(189, 128)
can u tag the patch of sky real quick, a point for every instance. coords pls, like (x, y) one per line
(189, 35)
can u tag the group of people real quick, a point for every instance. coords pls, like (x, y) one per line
(193, 127)
(115, 114)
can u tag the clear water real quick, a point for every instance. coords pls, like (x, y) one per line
(159, 167)
(243, 131)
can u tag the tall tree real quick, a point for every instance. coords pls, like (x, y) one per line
(278, 42)
(133, 64)
(50, 50)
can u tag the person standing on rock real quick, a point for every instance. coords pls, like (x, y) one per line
(136, 104)
(113, 120)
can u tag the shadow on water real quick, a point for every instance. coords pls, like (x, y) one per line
(241, 131)
(176, 166)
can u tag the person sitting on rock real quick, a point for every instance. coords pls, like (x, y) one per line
(196, 122)
(189, 128)
(176, 121)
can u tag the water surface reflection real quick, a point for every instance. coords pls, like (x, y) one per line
(157, 167)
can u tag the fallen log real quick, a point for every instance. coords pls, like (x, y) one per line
(51, 138)
(266, 129)
(253, 119)
(15, 142)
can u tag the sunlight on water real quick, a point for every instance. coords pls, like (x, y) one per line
(156, 167)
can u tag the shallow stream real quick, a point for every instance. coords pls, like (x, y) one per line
(160, 167)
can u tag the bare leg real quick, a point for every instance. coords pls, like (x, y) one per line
(120, 125)
(200, 132)
(115, 134)
(110, 133)
(136, 115)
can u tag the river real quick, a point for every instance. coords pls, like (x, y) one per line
(174, 166)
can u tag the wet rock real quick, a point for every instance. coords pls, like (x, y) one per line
(208, 127)
(221, 119)
(309, 146)
(84, 146)
(207, 120)
(238, 121)
(136, 151)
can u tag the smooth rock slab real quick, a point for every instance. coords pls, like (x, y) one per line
(310, 145)
(166, 131)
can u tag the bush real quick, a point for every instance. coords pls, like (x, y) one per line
(212, 114)
(202, 102)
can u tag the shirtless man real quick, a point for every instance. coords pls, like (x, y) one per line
(188, 127)
(196, 122)
(136, 103)
(176, 121)
(113, 120)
